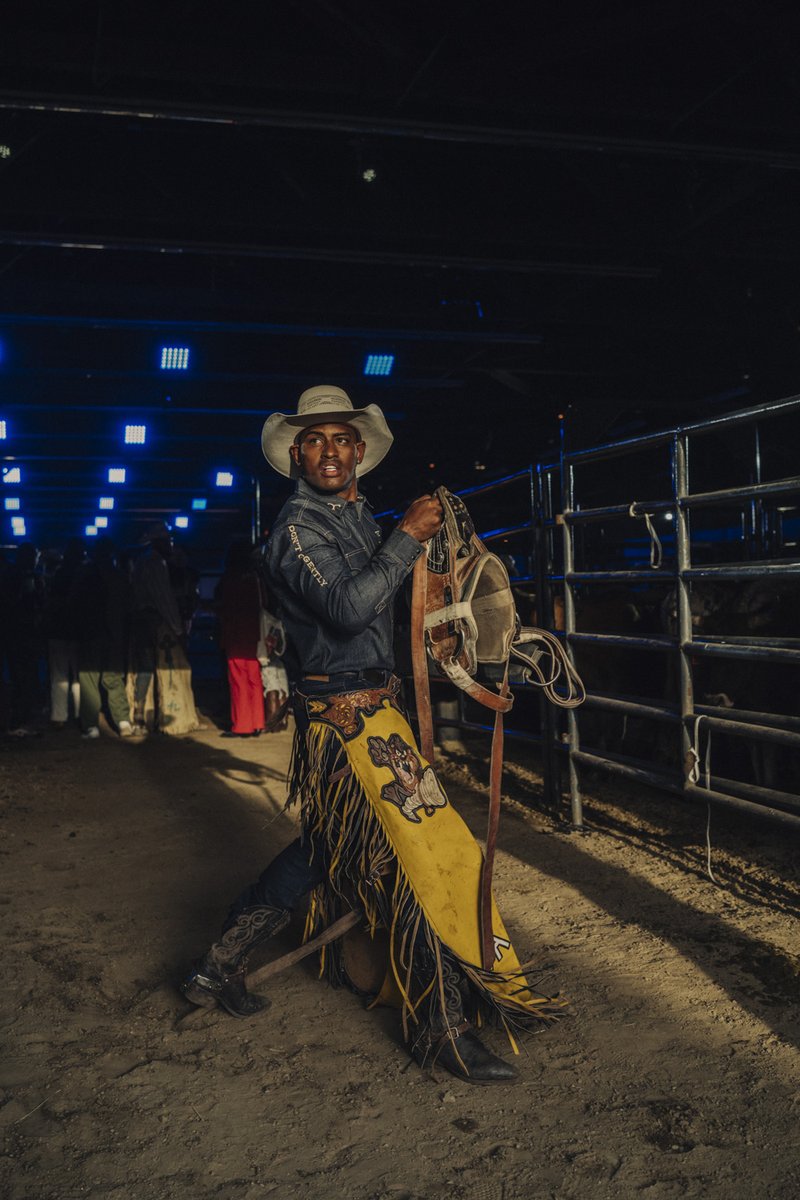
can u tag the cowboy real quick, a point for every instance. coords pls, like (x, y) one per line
(409, 867)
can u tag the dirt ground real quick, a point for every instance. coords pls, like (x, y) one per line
(674, 1074)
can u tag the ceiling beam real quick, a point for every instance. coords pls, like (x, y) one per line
(445, 262)
(434, 131)
(270, 327)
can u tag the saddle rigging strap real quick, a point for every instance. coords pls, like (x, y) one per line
(463, 615)
(419, 662)
(422, 691)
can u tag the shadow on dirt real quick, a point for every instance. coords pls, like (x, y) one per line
(753, 864)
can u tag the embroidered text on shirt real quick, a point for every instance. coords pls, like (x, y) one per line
(309, 562)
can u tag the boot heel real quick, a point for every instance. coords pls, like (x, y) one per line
(197, 995)
(219, 977)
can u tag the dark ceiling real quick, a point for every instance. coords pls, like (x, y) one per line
(539, 209)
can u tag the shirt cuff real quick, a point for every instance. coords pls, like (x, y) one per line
(403, 547)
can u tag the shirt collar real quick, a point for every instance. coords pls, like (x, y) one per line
(334, 505)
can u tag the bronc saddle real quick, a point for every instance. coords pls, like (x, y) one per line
(464, 620)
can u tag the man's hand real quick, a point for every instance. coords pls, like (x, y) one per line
(423, 518)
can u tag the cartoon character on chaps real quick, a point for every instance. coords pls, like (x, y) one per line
(414, 786)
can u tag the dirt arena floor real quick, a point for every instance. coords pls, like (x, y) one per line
(675, 1073)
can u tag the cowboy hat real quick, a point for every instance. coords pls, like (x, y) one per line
(325, 405)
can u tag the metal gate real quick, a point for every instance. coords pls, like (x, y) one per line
(560, 534)
(693, 723)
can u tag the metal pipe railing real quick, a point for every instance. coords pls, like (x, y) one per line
(749, 653)
(681, 574)
(740, 416)
(656, 642)
(778, 720)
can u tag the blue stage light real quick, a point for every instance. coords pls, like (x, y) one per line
(174, 358)
(3, 431)
(101, 522)
(90, 531)
(106, 502)
(199, 503)
(181, 522)
(116, 474)
(12, 475)
(135, 435)
(224, 479)
(12, 503)
(378, 364)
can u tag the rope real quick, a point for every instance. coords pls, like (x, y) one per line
(656, 549)
(561, 668)
(711, 874)
(694, 754)
(694, 777)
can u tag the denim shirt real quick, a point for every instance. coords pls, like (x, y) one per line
(334, 582)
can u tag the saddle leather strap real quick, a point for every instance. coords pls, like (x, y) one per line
(500, 702)
(419, 661)
(495, 781)
(494, 700)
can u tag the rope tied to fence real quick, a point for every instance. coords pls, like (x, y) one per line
(694, 756)
(656, 549)
(694, 778)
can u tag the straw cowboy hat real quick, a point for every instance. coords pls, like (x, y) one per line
(325, 405)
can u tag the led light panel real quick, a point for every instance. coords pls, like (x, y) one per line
(174, 358)
(378, 364)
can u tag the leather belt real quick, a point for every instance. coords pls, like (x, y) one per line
(374, 675)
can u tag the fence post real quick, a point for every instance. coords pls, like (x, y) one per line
(683, 562)
(567, 500)
(542, 570)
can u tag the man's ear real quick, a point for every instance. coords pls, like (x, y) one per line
(294, 450)
(360, 451)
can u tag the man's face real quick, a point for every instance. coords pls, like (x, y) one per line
(328, 456)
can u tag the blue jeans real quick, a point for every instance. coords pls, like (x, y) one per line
(289, 877)
(296, 870)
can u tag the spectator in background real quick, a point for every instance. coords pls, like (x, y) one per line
(61, 633)
(271, 649)
(238, 605)
(22, 600)
(155, 611)
(185, 583)
(159, 639)
(101, 600)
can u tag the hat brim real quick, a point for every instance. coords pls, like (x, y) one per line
(280, 431)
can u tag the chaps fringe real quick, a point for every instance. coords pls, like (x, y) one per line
(363, 871)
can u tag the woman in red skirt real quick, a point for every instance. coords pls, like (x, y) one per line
(239, 608)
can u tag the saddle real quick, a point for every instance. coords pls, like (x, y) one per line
(464, 623)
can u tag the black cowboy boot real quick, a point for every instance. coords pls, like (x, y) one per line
(447, 1039)
(219, 977)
